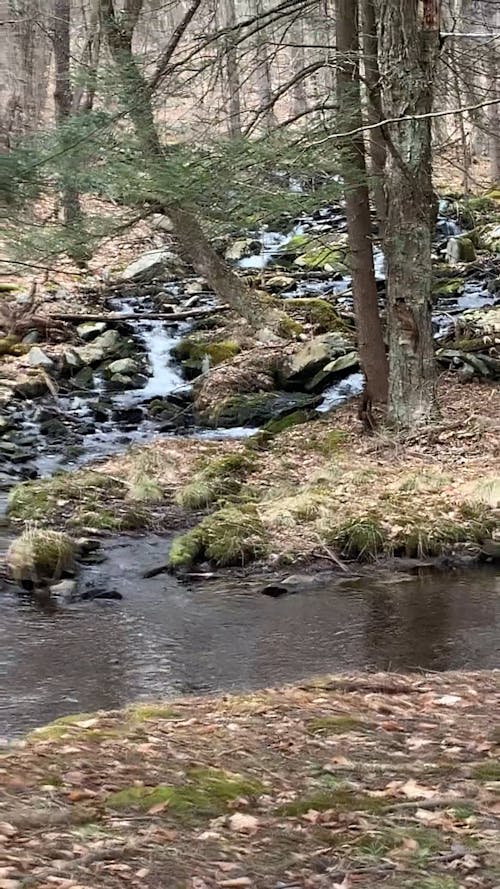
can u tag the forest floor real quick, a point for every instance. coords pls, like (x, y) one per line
(347, 781)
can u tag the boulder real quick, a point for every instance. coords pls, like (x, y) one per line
(312, 357)
(71, 361)
(460, 250)
(242, 247)
(38, 358)
(152, 265)
(30, 387)
(341, 366)
(64, 591)
(256, 409)
(489, 237)
(108, 345)
(89, 330)
(123, 366)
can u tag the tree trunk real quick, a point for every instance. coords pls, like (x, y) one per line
(298, 60)
(263, 74)
(408, 54)
(369, 329)
(494, 110)
(63, 98)
(256, 308)
(372, 81)
(232, 72)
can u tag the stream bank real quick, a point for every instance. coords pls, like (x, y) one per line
(349, 780)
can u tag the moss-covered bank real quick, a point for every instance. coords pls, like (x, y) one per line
(303, 491)
(347, 780)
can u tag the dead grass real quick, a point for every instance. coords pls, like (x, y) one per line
(334, 782)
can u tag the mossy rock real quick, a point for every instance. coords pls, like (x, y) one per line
(193, 350)
(325, 258)
(315, 311)
(40, 556)
(10, 345)
(447, 286)
(231, 536)
(489, 237)
(257, 409)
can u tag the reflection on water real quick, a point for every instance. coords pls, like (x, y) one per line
(165, 638)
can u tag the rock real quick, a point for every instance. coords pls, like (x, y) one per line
(38, 556)
(338, 367)
(100, 409)
(33, 336)
(84, 379)
(53, 428)
(257, 409)
(128, 416)
(123, 366)
(312, 357)
(242, 247)
(71, 361)
(194, 287)
(120, 381)
(489, 237)
(162, 223)
(5, 425)
(280, 282)
(30, 387)
(89, 330)
(38, 358)
(154, 264)
(65, 590)
(460, 249)
(107, 345)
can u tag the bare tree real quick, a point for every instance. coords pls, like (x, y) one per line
(369, 329)
(263, 72)
(409, 52)
(63, 96)
(231, 65)
(372, 83)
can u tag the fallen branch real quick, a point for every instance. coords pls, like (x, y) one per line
(78, 318)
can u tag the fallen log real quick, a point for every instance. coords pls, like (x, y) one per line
(114, 317)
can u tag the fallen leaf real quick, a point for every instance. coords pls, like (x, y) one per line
(158, 807)
(413, 790)
(241, 823)
(235, 883)
(345, 884)
(143, 872)
(449, 700)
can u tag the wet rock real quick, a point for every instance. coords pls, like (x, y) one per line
(257, 409)
(100, 593)
(280, 282)
(5, 425)
(30, 387)
(120, 381)
(460, 249)
(339, 367)
(64, 591)
(89, 330)
(33, 336)
(38, 358)
(194, 287)
(242, 247)
(100, 410)
(129, 416)
(312, 357)
(71, 361)
(108, 345)
(84, 379)
(154, 264)
(489, 237)
(125, 366)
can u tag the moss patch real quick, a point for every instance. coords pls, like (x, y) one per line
(217, 479)
(336, 800)
(315, 311)
(45, 499)
(231, 536)
(335, 725)
(206, 793)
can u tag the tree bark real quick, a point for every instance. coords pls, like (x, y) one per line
(372, 81)
(371, 345)
(256, 308)
(263, 74)
(63, 98)
(232, 72)
(408, 56)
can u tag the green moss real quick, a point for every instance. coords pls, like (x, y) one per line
(487, 771)
(40, 556)
(422, 538)
(145, 489)
(274, 427)
(331, 442)
(216, 480)
(36, 500)
(206, 793)
(315, 311)
(362, 538)
(337, 800)
(447, 286)
(186, 549)
(334, 725)
(128, 519)
(10, 345)
(233, 536)
(144, 712)
(230, 536)
(323, 257)
(288, 328)
(194, 348)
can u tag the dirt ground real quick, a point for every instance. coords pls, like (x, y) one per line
(350, 781)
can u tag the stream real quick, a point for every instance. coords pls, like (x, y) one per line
(164, 638)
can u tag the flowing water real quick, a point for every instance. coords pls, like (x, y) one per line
(164, 638)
